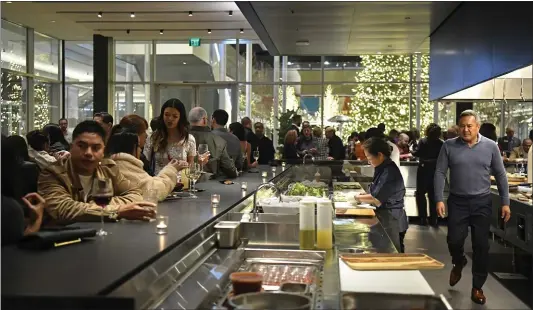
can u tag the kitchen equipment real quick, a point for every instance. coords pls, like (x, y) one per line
(228, 233)
(391, 261)
(364, 301)
(291, 287)
(271, 301)
(307, 224)
(355, 212)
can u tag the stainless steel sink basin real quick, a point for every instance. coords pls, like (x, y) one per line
(273, 235)
(267, 217)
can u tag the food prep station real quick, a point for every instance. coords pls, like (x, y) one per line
(193, 272)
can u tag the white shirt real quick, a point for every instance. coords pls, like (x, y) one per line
(41, 158)
(395, 156)
(86, 184)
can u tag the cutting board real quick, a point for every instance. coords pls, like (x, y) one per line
(355, 212)
(395, 261)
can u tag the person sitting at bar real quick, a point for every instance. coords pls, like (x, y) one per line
(140, 126)
(219, 161)
(336, 148)
(250, 135)
(39, 145)
(58, 143)
(66, 185)
(22, 212)
(246, 148)
(124, 148)
(219, 119)
(521, 151)
(265, 145)
(106, 121)
(508, 142)
(403, 143)
(387, 191)
(29, 170)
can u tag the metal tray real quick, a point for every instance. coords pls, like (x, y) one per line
(371, 301)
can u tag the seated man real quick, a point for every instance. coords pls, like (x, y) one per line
(39, 145)
(66, 185)
(521, 151)
(219, 162)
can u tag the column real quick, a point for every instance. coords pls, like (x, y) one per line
(275, 102)
(147, 88)
(249, 55)
(128, 90)
(30, 82)
(418, 88)
(284, 76)
(103, 73)
(410, 91)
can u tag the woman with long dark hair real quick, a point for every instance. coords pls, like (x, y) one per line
(57, 139)
(171, 140)
(238, 130)
(427, 152)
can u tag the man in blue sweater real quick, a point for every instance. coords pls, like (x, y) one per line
(471, 158)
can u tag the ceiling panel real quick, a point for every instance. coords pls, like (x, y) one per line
(345, 28)
(73, 20)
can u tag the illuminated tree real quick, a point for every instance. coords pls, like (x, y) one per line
(11, 103)
(42, 106)
(382, 93)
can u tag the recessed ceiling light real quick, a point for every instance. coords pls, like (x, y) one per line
(52, 21)
(161, 31)
(242, 30)
(184, 63)
(190, 13)
(132, 15)
(99, 15)
(209, 31)
(379, 53)
(407, 17)
(128, 31)
(230, 13)
(302, 42)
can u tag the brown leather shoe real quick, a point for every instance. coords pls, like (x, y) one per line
(455, 274)
(478, 297)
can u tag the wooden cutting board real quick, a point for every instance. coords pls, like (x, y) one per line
(385, 261)
(355, 212)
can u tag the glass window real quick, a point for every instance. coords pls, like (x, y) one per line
(46, 99)
(211, 99)
(490, 112)
(518, 115)
(78, 61)
(342, 68)
(79, 103)
(132, 99)
(132, 63)
(447, 114)
(13, 104)
(46, 56)
(13, 47)
(262, 104)
(262, 65)
(177, 61)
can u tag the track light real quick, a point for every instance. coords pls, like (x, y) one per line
(242, 30)
(132, 15)
(161, 31)
(190, 13)
(128, 31)
(209, 31)
(99, 14)
(230, 13)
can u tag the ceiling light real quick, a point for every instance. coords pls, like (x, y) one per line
(184, 63)
(8, 2)
(99, 15)
(52, 21)
(190, 13)
(161, 31)
(326, 62)
(379, 53)
(289, 63)
(132, 15)
(337, 64)
(230, 13)
(209, 31)
(128, 31)
(407, 18)
(302, 42)
(242, 30)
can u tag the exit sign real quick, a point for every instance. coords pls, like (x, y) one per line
(194, 42)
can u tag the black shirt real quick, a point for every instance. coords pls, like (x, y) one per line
(12, 220)
(290, 152)
(336, 148)
(293, 127)
(253, 140)
(428, 151)
(266, 150)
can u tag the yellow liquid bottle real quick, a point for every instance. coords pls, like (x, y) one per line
(307, 239)
(324, 239)
(307, 224)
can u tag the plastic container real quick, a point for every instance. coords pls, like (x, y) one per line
(246, 282)
(307, 224)
(324, 227)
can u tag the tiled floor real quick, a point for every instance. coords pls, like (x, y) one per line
(509, 294)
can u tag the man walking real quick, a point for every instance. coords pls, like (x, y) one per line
(470, 158)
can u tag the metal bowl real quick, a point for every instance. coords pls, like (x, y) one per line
(270, 301)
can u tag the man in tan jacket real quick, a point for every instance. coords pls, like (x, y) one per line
(66, 185)
(520, 152)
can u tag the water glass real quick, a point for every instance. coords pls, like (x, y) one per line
(162, 224)
(215, 200)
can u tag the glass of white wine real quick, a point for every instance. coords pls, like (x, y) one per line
(256, 155)
(193, 173)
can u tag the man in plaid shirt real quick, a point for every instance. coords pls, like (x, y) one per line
(321, 144)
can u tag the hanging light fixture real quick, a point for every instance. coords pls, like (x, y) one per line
(132, 15)
(99, 14)
(190, 13)
(242, 30)
(230, 13)
(209, 31)
(161, 31)
(128, 31)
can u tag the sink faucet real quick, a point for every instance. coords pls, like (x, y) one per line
(307, 155)
(255, 212)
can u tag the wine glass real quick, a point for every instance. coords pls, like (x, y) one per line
(193, 172)
(202, 150)
(256, 155)
(244, 160)
(102, 192)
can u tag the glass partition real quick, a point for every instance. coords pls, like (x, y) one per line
(14, 45)
(46, 56)
(13, 104)
(79, 103)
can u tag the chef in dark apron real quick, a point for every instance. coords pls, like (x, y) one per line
(387, 191)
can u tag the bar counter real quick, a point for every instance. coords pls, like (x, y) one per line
(98, 266)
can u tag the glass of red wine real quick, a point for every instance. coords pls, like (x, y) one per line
(102, 192)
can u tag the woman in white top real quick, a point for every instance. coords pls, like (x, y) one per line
(171, 140)
(124, 148)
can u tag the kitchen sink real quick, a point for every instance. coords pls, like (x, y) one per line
(273, 235)
(266, 217)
